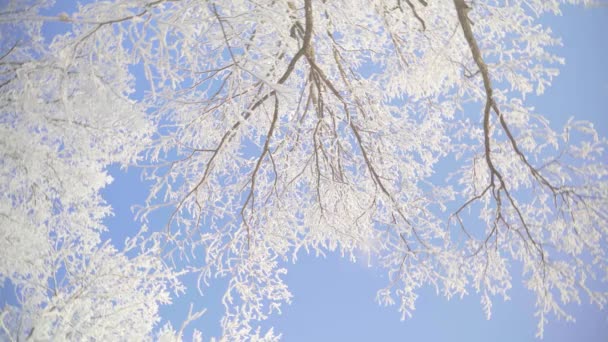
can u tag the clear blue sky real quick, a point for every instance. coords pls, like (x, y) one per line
(334, 299)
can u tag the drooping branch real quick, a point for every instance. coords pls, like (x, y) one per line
(254, 173)
(462, 10)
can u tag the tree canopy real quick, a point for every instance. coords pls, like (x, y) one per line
(268, 127)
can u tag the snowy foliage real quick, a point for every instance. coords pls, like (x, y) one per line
(269, 127)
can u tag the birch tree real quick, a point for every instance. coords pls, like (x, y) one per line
(271, 127)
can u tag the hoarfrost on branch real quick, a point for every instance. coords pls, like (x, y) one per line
(270, 127)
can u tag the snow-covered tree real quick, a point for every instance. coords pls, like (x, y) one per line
(273, 126)
(64, 118)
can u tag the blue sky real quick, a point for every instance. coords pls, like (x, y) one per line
(334, 299)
